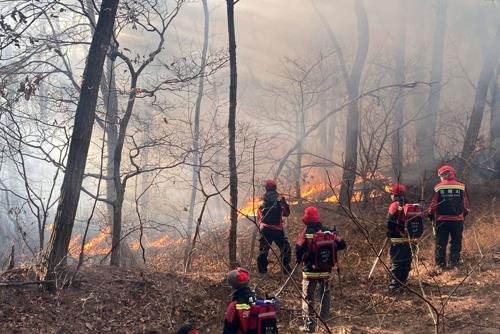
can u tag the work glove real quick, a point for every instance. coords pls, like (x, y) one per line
(430, 216)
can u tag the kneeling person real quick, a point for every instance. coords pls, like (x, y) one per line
(245, 313)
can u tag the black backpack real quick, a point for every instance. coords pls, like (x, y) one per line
(414, 220)
(271, 212)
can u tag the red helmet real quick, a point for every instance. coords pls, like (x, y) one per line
(238, 277)
(311, 215)
(398, 189)
(447, 172)
(270, 185)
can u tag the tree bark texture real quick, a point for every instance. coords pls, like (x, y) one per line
(233, 174)
(80, 140)
(352, 126)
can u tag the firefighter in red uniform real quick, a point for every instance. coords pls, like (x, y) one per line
(242, 298)
(400, 250)
(271, 212)
(245, 313)
(449, 207)
(312, 277)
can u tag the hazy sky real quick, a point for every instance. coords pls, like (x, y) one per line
(267, 30)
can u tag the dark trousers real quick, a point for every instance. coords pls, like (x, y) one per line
(400, 263)
(267, 237)
(446, 230)
(308, 292)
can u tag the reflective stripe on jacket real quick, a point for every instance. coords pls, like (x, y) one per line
(450, 201)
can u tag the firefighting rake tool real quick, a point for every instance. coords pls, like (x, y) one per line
(286, 282)
(378, 257)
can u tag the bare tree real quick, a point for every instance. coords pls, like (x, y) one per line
(399, 77)
(495, 122)
(80, 140)
(426, 132)
(233, 173)
(483, 84)
(352, 125)
(196, 131)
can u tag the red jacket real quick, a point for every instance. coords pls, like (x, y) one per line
(450, 201)
(396, 219)
(236, 320)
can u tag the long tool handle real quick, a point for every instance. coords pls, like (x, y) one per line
(286, 282)
(378, 258)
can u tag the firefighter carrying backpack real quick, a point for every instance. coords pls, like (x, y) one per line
(322, 254)
(260, 318)
(414, 221)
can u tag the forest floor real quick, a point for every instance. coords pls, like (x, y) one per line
(157, 299)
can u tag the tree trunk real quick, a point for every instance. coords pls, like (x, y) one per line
(399, 77)
(332, 122)
(110, 98)
(300, 130)
(233, 174)
(483, 84)
(112, 138)
(426, 133)
(495, 123)
(120, 185)
(80, 140)
(322, 147)
(117, 227)
(352, 126)
(196, 133)
(419, 99)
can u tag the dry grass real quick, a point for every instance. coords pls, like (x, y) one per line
(160, 297)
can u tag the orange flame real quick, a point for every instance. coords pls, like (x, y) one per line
(311, 190)
(250, 208)
(321, 192)
(74, 246)
(332, 199)
(158, 243)
(93, 247)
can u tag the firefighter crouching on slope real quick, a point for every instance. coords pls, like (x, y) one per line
(271, 212)
(242, 297)
(245, 313)
(400, 251)
(449, 206)
(311, 274)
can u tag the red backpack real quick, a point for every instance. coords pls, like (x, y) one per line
(260, 318)
(414, 221)
(321, 252)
